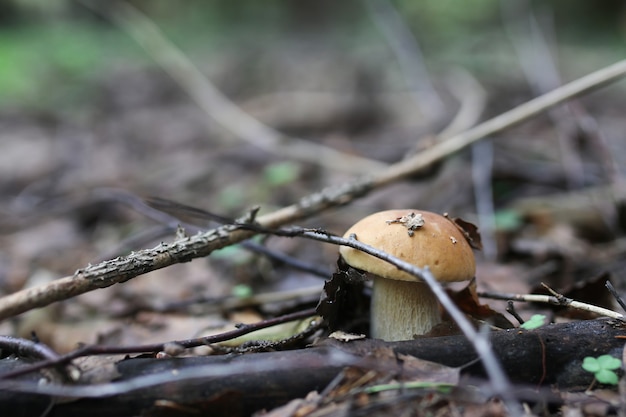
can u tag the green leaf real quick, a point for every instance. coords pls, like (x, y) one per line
(606, 376)
(536, 321)
(602, 367)
(591, 365)
(609, 362)
(242, 291)
(281, 173)
(508, 220)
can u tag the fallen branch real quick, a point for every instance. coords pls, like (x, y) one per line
(557, 300)
(122, 269)
(551, 354)
(27, 348)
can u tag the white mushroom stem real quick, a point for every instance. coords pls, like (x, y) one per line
(402, 309)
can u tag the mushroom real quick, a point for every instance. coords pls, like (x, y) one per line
(402, 305)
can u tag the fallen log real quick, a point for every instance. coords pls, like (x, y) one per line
(237, 385)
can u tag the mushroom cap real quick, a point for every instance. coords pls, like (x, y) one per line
(438, 244)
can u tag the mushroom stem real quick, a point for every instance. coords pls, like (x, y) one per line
(402, 309)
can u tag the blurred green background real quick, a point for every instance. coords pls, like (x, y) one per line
(51, 50)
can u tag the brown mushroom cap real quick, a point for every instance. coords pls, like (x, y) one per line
(438, 244)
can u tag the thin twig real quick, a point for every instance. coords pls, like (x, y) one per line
(510, 308)
(506, 120)
(27, 348)
(558, 301)
(159, 209)
(157, 347)
(472, 98)
(122, 269)
(615, 295)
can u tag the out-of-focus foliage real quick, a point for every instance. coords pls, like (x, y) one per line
(38, 58)
(46, 45)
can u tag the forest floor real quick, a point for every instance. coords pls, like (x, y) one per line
(117, 173)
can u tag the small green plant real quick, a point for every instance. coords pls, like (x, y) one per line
(508, 220)
(536, 321)
(242, 291)
(281, 173)
(603, 367)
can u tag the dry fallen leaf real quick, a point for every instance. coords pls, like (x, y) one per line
(467, 300)
(470, 231)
